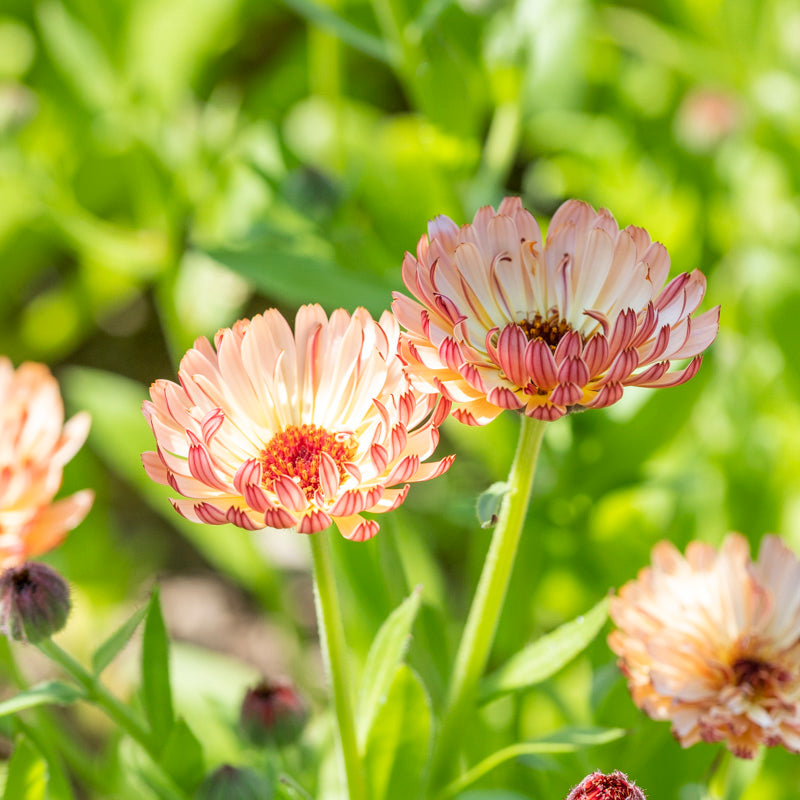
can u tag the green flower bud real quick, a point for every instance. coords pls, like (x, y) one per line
(234, 783)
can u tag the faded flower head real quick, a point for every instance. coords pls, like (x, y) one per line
(34, 602)
(712, 642)
(505, 320)
(35, 444)
(615, 786)
(282, 430)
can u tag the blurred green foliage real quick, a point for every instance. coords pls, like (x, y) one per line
(167, 166)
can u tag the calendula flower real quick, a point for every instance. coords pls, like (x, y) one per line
(712, 642)
(35, 444)
(294, 430)
(507, 321)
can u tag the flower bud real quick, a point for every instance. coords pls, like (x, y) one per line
(273, 713)
(234, 783)
(615, 786)
(34, 602)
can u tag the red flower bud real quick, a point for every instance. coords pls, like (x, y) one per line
(274, 713)
(34, 602)
(615, 786)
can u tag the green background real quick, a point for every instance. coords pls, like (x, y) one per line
(167, 166)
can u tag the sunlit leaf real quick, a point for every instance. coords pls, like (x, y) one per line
(547, 655)
(398, 744)
(109, 650)
(182, 756)
(386, 653)
(156, 691)
(47, 693)
(27, 774)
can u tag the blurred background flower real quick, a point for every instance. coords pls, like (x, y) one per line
(712, 643)
(35, 444)
(168, 166)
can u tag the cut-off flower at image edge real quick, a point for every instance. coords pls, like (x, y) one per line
(270, 428)
(505, 320)
(35, 444)
(712, 642)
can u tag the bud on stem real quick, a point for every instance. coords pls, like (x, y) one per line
(34, 602)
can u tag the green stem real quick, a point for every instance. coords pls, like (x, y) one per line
(334, 650)
(117, 711)
(65, 742)
(479, 632)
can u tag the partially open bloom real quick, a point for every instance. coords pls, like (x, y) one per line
(615, 786)
(712, 642)
(35, 444)
(507, 321)
(297, 431)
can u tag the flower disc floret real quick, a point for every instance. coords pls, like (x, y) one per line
(504, 320)
(281, 429)
(35, 444)
(712, 642)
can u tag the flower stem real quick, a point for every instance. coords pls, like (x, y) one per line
(116, 710)
(334, 650)
(479, 632)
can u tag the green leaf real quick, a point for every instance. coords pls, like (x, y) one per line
(398, 744)
(182, 756)
(287, 259)
(547, 655)
(489, 503)
(110, 648)
(567, 740)
(119, 435)
(387, 651)
(27, 774)
(582, 736)
(78, 55)
(50, 692)
(156, 692)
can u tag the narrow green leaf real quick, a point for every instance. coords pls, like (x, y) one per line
(58, 784)
(50, 692)
(387, 651)
(567, 740)
(110, 648)
(182, 757)
(398, 746)
(156, 692)
(489, 504)
(27, 773)
(547, 655)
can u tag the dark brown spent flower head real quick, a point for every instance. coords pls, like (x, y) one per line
(34, 602)
(273, 712)
(234, 783)
(615, 786)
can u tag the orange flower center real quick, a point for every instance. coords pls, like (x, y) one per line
(296, 451)
(550, 329)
